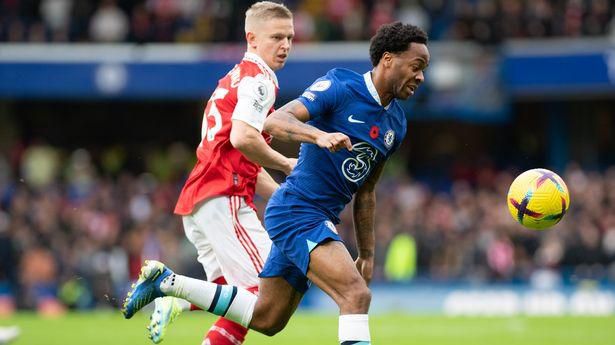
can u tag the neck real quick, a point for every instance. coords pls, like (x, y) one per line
(382, 87)
(253, 51)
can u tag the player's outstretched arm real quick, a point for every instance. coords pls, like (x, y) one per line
(251, 143)
(364, 214)
(288, 124)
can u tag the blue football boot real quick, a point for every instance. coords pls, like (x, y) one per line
(147, 288)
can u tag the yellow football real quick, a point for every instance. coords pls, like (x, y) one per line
(538, 199)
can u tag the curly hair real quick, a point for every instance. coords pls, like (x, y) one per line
(394, 38)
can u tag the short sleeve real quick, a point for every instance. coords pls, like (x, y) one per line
(321, 97)
(255, 96)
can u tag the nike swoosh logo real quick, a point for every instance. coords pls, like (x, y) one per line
(350, 119)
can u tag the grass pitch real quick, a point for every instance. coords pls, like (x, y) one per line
(109, 328)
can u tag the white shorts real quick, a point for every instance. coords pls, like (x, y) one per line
(230, 240)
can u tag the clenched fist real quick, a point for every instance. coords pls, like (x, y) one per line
(334, 141)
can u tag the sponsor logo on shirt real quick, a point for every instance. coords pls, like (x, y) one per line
(357, 167)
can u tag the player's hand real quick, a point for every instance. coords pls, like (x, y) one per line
(292, 162)
(366, 268)
(334, 141)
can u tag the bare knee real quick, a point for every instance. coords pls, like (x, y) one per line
(355, 298)
(275, 305)
(268, 321)
(268, 324)
(273, 328)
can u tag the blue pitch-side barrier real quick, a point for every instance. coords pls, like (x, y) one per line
(151, 72)
(464, 80)
(133, 80)
(481, 300)
(559, 68)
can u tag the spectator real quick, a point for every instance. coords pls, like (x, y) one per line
(109, 23)
(484, 21)
(56, 16)
(87, 236)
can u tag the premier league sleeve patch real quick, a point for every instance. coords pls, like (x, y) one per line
(321, 85)
(261, 91)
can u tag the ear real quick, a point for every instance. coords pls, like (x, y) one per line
(387, 59)
(251, 39)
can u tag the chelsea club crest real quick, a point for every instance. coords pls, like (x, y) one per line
(389, 138)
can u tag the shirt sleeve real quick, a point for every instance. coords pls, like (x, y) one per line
(255, 96)
(321, 97)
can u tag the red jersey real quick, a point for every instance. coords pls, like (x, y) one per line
(246, 93)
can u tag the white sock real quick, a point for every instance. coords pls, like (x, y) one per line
(231, 302)
(354, 329)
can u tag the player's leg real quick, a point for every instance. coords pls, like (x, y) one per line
(268, 316)
(167, 309)
(223, 331)
(242, 254)
(234, 303)
(281, 289)
(332, 269)
(277, 302)
(240, 244)
(310, 241)
(156, 280)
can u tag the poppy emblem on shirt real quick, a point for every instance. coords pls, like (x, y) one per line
(389, 138)
(374, 132)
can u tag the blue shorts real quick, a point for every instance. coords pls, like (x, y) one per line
(296, 227)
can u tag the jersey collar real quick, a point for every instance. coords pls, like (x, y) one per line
(372, 89)
(248, 56)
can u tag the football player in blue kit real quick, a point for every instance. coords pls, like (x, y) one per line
(349, 125)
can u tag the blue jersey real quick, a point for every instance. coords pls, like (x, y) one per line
(300, 214)
(346, 102)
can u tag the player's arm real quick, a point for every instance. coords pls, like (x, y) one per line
(255, 96)
(265, 184)
(288, 124)
(364, 214)
(251, 143)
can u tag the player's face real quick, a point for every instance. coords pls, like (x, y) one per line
(407, 70)
(273, 40)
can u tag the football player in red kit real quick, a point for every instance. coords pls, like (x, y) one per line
(216, 202)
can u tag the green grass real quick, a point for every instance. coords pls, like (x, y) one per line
(306, 329)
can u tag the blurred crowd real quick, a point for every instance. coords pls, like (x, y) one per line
(76, 226)
(195, 21)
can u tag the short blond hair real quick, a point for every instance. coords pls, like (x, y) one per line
(265, 10)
